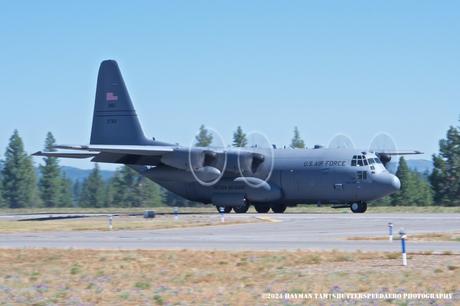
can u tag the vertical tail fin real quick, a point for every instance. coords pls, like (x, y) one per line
(114, 120)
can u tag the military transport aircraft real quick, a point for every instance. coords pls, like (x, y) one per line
(230, 178)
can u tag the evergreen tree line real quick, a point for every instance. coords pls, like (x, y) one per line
(415, 188)
(20, 188)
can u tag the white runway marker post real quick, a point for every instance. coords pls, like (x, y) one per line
(390, 231)
(402, 234)
(221, 210)
(110, 222)
(176, 213)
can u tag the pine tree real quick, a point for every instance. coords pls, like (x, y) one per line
(130, 189)
(422, 193)
(151, 193)
(19, 181)
(405, 195)
(297, 141)
(122, 185)
(50, 180)
(76, 191)
(93, 190)
(204, 137)
(172, 199)
(2, 200)
(239, 138)
(66, 193)
(445, 178)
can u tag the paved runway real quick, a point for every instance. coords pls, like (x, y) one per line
(292, 232)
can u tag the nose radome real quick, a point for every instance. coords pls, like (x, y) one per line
(395, 183)
(388, 183)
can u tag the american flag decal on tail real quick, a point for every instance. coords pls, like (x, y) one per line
(110, 97)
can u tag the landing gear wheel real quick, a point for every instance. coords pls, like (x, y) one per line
(358, 207)
(241, 209)
(227, 209)
(262, 208)
(278, 208)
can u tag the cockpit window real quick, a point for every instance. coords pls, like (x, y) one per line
(361, 160)
(377, 160)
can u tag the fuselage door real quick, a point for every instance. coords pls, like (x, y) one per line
(289, 181)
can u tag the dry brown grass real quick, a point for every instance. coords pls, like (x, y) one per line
(211, 209)
(416, 237)
(45, 276)
(120, 223)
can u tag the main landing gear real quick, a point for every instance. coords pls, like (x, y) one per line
(358, 207)
(262, 208)
(278, 208)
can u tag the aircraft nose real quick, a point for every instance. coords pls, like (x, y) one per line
(395, 183)
(388, 183)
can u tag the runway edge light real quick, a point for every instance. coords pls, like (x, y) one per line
(402, 234)
(390, 231)
(221, 210)
(110, 219)
(176, 213)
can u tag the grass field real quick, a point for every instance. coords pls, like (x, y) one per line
(212, 209)
(417, 237)
(75, 277)
(120, 223)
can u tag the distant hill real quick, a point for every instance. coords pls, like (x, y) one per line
(75, 174)
(419, 165)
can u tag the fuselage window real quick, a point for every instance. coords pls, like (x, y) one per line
(361, 175)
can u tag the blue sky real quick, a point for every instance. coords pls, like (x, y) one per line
(328, 67)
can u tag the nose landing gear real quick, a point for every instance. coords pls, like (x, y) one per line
(358, 207)
(241, 209)
(227, 209)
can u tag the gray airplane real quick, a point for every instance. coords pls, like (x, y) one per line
(230, 178)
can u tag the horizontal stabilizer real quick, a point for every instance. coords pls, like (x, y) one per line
(121, 149)
(65, 154)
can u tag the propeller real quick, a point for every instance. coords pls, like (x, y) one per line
(383, 145)
(207, 164)
(256, 160)
(341, 141)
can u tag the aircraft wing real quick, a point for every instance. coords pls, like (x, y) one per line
(399, 152)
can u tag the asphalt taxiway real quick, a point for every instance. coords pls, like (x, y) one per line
(279, 232)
